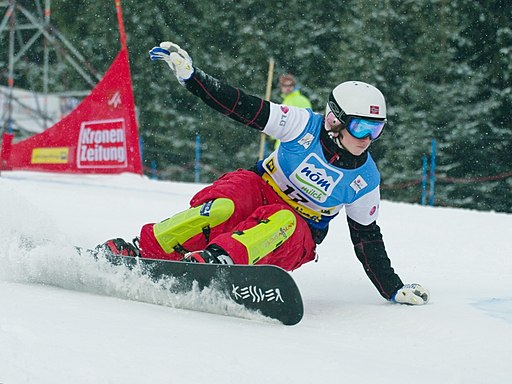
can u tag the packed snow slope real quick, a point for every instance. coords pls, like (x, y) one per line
(68, 319)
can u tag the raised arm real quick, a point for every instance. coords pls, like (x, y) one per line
(249, 110)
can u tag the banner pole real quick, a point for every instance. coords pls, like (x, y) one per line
(197, 177)
(122, 38)
(122, 34)
(424, 180)
(268, 92)
(432, 172)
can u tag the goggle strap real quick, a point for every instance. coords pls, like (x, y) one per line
(336, 109)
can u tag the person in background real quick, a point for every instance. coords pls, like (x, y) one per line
(290, 92)
(291, 95)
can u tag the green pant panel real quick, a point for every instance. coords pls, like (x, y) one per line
(268, 235)
(187, 224)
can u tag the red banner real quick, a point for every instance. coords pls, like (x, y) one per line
(99, 136)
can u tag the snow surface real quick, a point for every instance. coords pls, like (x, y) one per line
(69, 319)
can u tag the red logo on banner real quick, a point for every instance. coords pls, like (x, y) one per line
(284, 108)
(115, 100)
(374, 109)
(102, 144)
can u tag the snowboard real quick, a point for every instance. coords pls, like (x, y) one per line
(265, 288)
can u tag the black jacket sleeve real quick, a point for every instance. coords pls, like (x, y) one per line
(371, 252)
(232, 102)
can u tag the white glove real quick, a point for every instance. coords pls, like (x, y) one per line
(176, 58)
(413, 294)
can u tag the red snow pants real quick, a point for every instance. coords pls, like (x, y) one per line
(254, 201)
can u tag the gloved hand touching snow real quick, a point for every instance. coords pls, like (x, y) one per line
(412, 294)
(176, 58)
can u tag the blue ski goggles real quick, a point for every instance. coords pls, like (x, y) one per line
(360, 127)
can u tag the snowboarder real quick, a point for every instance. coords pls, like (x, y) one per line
(279, 211)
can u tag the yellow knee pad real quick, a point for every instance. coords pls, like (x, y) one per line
(176, 230)
(267, 235)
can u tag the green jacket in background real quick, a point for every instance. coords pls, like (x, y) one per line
(296, 99)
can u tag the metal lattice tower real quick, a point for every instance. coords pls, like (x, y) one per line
(22, 29)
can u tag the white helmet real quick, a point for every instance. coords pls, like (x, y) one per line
(355, 99)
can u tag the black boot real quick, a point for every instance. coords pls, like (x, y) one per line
(213, 254)
(120, 247)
